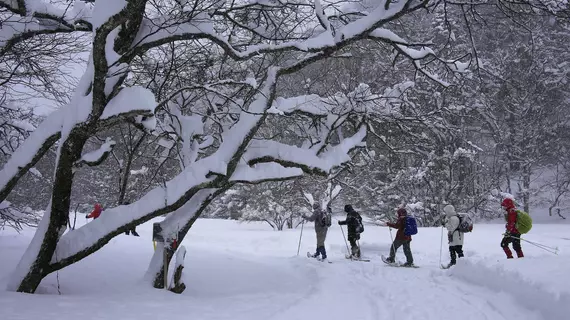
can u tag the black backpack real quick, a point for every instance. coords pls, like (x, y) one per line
(360, 226)
(465, 223)
(326, 219)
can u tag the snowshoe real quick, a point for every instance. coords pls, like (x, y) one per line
(398, 264)
(406, 265)
(310, 255)
(386, 261)
(354, 258)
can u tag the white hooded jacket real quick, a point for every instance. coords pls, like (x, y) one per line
(452, 225)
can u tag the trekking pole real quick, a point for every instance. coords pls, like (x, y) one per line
(441, 245)
(300, 236)
(392, 239)
(344, 237)
(534, 243)
(538, 245)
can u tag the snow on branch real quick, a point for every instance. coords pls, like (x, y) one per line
(167, 29)
(162, 199)
(162, 27)
(96, 157)
(263, 172)
(261, 151)
(29, 18)
(406, 49)
(16, 219)
(30, 151)
(377, 17)
(311, 104)
(131, 101)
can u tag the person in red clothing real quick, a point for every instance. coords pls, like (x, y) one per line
(512, 235)
(96, 212)
(401, 239)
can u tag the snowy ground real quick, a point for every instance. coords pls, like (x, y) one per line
(247, 271)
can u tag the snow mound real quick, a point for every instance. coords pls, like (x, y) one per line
(532, 295)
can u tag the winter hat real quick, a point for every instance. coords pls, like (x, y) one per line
(316, 205)
(449, 210)
(402, 212)
(508, 203)
(348, 208)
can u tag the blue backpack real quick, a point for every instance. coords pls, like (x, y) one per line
(410, 226)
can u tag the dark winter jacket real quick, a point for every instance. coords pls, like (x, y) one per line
(511, 216)
(400, 225)
(353, 220)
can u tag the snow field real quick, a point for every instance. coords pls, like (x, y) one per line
(247, 271)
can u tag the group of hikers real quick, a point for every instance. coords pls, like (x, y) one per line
(456, 224)
(405, 225)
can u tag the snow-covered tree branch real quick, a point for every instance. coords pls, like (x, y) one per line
(218, 128)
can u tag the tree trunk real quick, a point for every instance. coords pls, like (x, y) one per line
(526, 188)
(58, 215)
(155, 269)
(178, 286)
(127, 173)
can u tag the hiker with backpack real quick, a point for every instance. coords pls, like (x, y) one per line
(454, 234)
(518, 222)
(322, 223)
(96, 212)
(402, 239)
(355, 228)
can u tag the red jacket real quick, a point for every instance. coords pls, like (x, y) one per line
(399, 225)
(96, 212)
(510, 216)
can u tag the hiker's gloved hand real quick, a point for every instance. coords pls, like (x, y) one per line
(507, 234)
(338, 222)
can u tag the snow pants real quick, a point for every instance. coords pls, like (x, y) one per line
(321, 237)
(354, 247)
(407, 250)
(516, 241)
(455, 251)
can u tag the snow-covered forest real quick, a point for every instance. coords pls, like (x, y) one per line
(254, 110)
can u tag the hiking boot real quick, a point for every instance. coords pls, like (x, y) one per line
(408, 264)
(390, 260)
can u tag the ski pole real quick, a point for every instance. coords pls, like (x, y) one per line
(300, 236)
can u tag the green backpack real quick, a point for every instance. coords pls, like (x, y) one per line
(524, 222)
